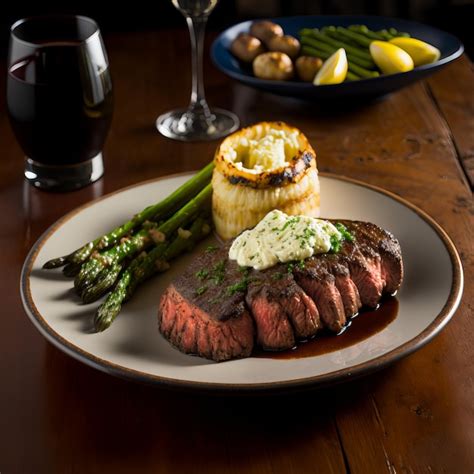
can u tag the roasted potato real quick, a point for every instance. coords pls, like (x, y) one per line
(307, 67)
(246, 47)
(285, 44)
(274, 66)
(265, 30)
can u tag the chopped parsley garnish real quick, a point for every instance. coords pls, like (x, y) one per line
(202, 274)
(295, 264)
(277, 276)
(291, 221)
(239, 286)
(336, 243)
(346, 235)
(218, 272)
(211, 248)
(201, 290)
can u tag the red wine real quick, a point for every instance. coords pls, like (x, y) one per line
(60, 104)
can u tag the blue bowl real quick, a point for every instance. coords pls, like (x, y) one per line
(450, 47)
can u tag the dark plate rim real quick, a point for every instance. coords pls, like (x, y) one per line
(345, 374)
(248, 79)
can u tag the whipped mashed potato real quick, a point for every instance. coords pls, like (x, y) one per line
(270, 152)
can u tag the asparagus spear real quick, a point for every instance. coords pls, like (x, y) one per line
(182, 243)
(106, 280)
(385, 34)
(352, 77)
(397, 33)
(325, 38)
(91, 270)
(352, 35)
(306, 40)
(141, 268)
(353, 68)
(362, 29)
(169, 204)
(128, 248)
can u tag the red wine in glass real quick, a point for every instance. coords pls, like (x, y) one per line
(59, 98)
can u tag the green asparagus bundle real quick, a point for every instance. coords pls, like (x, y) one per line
(355, 40)
(119, 261)
(128, 247)
(143, 267)
(155, 212)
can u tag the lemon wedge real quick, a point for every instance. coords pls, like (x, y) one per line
(420, 52)
(390, 58)
(333, 70)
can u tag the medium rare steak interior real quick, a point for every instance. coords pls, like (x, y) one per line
(220, 311)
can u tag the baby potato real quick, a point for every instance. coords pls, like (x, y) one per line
(246, 47)
(265, 30)
(285, 44)
(307, 67)
(274, 66)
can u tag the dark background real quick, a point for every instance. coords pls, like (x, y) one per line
(455, 16)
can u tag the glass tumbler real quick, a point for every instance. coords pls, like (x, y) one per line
(59, 99)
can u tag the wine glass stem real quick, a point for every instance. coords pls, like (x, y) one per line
(197, 26)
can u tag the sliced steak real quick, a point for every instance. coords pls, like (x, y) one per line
(383, 259)
(282, 311)
(320, 285)
(218, 310)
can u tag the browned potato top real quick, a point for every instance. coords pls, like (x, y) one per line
(274, 66)
(285, 44)
(246, 47)
(307, 67)
(265, 30)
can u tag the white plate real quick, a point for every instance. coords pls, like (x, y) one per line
(132, 347)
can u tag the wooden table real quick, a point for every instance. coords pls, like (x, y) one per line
(59, 416)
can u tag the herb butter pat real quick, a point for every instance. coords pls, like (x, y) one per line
(279, 237)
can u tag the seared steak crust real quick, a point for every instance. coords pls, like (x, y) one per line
(219, 311)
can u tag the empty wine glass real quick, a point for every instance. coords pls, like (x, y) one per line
(197, 122)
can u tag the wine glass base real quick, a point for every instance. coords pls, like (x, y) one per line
(66, 177)
(186, 126)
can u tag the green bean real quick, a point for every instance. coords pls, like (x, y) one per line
(325, 38)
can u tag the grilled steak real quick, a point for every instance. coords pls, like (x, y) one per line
(282, 311)
(219, 311)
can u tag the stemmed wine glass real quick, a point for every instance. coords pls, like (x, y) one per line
(198, 121)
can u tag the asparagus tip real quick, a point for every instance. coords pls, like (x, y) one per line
(105, 316)
(55, 263)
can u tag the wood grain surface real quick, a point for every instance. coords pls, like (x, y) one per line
(59, 416)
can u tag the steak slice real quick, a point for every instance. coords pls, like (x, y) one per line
(199, 316)
(375, 260)
(316, 279)
(389, 250)
(193, 331)
(282, 311)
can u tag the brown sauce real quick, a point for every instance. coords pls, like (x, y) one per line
(363, 326)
